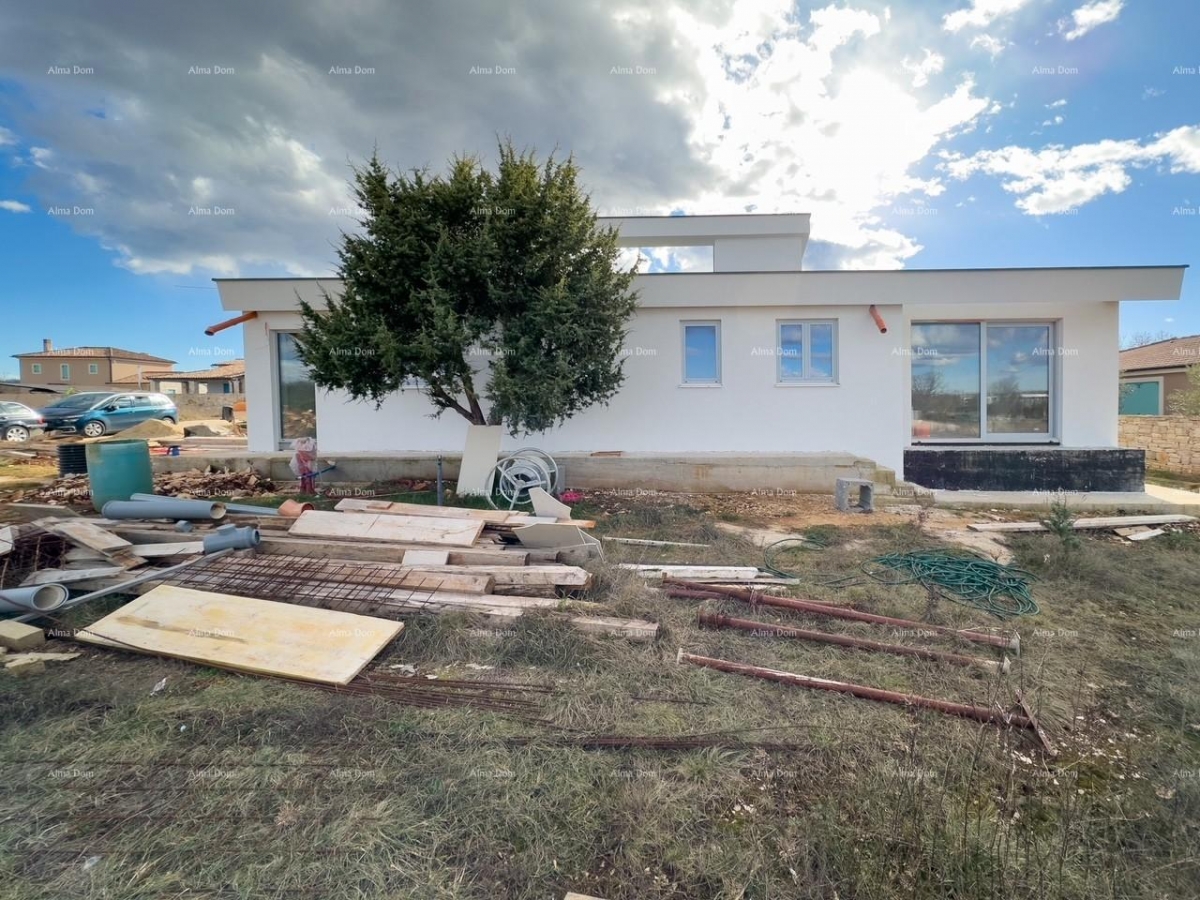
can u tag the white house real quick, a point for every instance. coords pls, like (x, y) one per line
(954, 377)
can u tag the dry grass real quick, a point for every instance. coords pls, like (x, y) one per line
(227, 786)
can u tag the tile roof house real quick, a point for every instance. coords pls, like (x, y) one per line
(988, 379)
(1153, 373)
(85, 368)
(220, 378)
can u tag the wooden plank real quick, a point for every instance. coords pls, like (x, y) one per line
(387, 528)
(353, 576)
(83, 533)
(246, 634)
(694, 573)
(630, 629)
(525, 576)
(19, 636)
(32, 512)
(179, 548)
(1146, 535)
(388, 507)
(82, 554)
(383, 552)
(67, 576)
(426, 557)
(641, 543)
(1104, 522)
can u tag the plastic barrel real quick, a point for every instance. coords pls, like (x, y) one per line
(72, 459)
(117, 469)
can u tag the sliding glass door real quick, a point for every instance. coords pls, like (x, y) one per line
(297, 392)
(982, 381)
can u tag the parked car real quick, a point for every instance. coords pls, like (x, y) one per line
(95, 413)
(17, 421)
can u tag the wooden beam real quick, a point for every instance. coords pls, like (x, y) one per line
(387, 528)
(1104, 522)
(377, 551)
(694, 573)
(83, 533)
(67, 576)
(179, 548)
(525, 576)
(638, 542)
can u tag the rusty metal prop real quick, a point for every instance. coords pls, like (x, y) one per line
(716, 620)
(1012, 643)
(978, 713)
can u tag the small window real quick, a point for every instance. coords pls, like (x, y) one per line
(37, 368)
(807, 352)
(701, 352)
(64, 370)
(93, 368)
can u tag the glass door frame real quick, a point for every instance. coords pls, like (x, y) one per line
(281, 443)
(1051, 436)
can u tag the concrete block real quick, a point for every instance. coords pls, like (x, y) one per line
(866, 494)
(19, 636)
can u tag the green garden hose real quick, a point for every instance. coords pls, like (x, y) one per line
(961, 577)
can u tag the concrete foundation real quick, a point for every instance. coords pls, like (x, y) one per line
(1024, 468)
(693, 472)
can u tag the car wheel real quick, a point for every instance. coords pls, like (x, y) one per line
(16, 433)
(94, 429)
(169, 420)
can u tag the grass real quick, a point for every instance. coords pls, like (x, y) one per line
(231, 786)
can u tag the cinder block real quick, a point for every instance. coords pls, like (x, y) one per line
(866, 494)
(19, 636)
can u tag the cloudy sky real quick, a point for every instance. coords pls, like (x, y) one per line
(918, 133)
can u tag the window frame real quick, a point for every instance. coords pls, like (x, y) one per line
(93, 368)
(64, 371)
(807, 379)
(35, 368)
(1053, 434)
(684, 325)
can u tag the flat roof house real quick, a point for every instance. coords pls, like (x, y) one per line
(982, 378)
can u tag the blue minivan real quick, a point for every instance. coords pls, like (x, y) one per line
(95, 413)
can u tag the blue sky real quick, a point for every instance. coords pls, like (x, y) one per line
(947, 133)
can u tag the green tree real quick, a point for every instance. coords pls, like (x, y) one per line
(496, 290)
(1187, 401)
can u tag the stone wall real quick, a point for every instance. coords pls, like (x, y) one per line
(1172, 443)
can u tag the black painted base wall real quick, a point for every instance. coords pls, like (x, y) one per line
(1025, 468)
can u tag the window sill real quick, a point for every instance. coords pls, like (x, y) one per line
(806, 384)
(715, 384)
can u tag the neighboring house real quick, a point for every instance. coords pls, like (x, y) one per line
(1153, 373)
(220, 378)
(86, 368)
(953, 377)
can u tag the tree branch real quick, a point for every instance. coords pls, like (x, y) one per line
(438, 393)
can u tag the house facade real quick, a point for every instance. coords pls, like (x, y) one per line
(86, 368)
(1153, 373)
(945, 374)
(219, 378)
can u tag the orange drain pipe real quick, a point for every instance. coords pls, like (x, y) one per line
(229, 323)
(978, 713)
(882, 325)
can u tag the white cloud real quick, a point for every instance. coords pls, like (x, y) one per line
(981, 14)
(1089, 16)
(1151, 92)
(14, 206)
(993, 46)
(1056, 104)
(1057, 120)
(1059, 179)
(932, 64)
(7, 138)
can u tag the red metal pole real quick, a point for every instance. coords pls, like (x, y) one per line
(979, 713)
(716, 620)
(840, 612)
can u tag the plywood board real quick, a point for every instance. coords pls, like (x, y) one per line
(83, 533)
(380, 527)
(243, 633)
(480, 455)
(381, 552)
(545, 505)
(393, 508)
(426, 557)
(554, 537)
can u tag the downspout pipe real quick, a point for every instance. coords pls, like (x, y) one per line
(879, 323)
(36, 599)
(229, 323)
(163, 509)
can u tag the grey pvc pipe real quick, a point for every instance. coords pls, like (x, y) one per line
(36, 598)
(155, 575)
(229, 507)
(163, 509)
(230, 537)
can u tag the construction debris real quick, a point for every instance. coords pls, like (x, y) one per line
(19, 636)
(193, 484)
(1084, 524)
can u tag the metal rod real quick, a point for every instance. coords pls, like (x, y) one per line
(978, 713)
(441, 495)
(716, 620)
(753, 598)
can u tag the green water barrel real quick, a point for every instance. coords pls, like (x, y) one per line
(117, 469)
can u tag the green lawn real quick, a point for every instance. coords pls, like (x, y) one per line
(230, 786)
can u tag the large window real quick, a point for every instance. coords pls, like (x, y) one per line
(701, 352)
(982, 380)
(807, 352)
(297, 392)
(64, 371)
